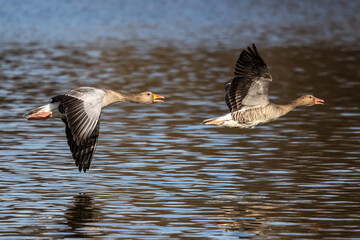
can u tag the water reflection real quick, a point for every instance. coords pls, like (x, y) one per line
(81, 214)
(261, 216)
(248, 217)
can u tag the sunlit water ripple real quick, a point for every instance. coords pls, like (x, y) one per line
(157, 172)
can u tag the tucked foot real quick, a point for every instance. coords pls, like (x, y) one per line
(215, 122)
(39, 116)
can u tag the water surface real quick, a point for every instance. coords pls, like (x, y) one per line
(157, 172)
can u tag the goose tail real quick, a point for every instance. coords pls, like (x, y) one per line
(213, 121)
(39, 113)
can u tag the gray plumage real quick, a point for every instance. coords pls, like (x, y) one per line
(80, 110)
(246, 95)
(250, 86)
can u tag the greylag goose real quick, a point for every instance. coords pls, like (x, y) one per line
(246, 95)
(80, 110)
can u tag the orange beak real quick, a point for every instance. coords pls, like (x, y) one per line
(158, 98)
(319, 101)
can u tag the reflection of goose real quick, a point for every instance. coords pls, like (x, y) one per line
(248, 215)
(80, 110)
(81, 214)
(247, 95)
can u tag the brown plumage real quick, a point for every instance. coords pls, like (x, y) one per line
(246, 95)
(80, 110)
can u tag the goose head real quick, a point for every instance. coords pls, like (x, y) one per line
(308, 100)
(148, 98)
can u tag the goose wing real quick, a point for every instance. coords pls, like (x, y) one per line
(227, 98)
(82, 108)
(249, 88)
(83, 153)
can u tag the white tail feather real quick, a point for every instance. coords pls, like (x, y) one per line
(39, 113)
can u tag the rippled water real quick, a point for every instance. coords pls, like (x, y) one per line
(157, 172)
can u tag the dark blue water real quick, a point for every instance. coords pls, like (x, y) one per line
(157, 172)
(229, 24)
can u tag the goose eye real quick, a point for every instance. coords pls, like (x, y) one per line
(148, 94)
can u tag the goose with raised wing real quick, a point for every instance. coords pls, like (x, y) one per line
(80, 110)
(246, 95)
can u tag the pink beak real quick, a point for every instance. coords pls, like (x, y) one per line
(319, 101)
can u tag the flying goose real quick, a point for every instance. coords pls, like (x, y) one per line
(80, 110)
(246, 95)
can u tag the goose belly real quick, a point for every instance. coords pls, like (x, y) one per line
(249, 118)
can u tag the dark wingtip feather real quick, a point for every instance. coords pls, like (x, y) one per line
(254, 47)
(250, 63)
(83, 167)
(249, 68)
(82, 154)
(257, 53)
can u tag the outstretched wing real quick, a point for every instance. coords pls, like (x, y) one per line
(83, 153)
(82, 108)
(227, 98)
(249, 88)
